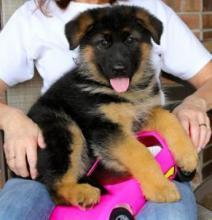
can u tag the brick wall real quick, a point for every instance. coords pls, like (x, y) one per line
(197, 14)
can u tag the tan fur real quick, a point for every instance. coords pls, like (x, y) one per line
(127, 113)
(68, 190)
(83, 195)
(88, 55)
(140, 163)
(85, 22)
(130, 153)
(75, 157)
(127, 152)
(144, 17)
(179, 143)
(123, 114)
(138, 77)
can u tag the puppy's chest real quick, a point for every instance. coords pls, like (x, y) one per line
(125, 114)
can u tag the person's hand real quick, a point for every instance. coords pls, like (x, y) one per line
(192, 114)
(21, 138)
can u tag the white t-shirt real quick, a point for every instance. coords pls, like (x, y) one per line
(31, 38)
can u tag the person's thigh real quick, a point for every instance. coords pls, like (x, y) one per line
(25, 199)
(185, 209)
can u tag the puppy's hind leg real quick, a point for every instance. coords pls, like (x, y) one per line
(67, 188)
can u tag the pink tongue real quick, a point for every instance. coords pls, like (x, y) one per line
(120, 84)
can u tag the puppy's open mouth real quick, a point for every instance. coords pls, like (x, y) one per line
(120, 84)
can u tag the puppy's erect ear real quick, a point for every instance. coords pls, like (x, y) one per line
(151, 23)
(77, 28)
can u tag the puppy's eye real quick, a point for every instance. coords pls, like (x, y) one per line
(130, 40)
(105, 43)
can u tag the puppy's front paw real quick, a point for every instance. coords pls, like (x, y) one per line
(188, 161)
(83, 195)
(161, 192)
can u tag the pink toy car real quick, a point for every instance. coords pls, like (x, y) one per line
(124, 198)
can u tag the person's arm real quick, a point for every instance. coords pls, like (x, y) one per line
(21, 135)
(21, 138)
(192, 112)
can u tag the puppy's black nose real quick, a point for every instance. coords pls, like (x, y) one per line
(119, 68)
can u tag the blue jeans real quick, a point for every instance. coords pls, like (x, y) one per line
(25, 199)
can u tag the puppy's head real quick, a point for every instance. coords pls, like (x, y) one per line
(115, 43)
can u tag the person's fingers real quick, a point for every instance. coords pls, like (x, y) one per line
(11, 164)
(9, 151)
(10, 155)
(208, 132)
(20, 160)
(21, 138)
(185, 123)
(199, 123)
(208, 137)
(31, 152)
(41, 142)
(16, 155)
(203, 129)
(202, 136)
(194, 132)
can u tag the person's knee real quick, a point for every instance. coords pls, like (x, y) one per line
(23, 185)
(18, 189)
(26, 198)
(184, 209)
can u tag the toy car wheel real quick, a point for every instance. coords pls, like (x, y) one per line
(121, 214)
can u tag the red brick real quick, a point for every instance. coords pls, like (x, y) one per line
(191, 5)
(174, 4)
(207, 35)
(208, 45)
(207, 5)
(193, 21)
(207, 20)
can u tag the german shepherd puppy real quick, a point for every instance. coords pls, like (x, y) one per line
(94, 110)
